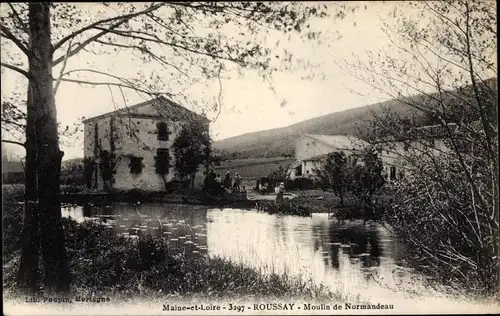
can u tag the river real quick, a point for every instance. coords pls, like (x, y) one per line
(359, 261)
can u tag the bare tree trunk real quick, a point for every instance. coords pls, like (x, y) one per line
(54, 258)
(28, 274)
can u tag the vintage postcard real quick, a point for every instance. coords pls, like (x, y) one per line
(250, 158)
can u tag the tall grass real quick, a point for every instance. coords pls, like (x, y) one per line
(104, 263)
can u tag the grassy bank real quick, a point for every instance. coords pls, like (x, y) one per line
(319, 201)
(79, 195)
(105, 264)
(286, 208)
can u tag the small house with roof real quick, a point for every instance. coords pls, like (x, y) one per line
(123, 149)
(311, 151)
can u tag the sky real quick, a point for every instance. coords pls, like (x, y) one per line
(248, 104)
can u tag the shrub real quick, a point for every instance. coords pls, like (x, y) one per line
(301, 184)
(285, 209)
(450, 234)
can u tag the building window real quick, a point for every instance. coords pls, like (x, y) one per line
(162, 131)
(298, 171)
(135, 165)
(392, 173)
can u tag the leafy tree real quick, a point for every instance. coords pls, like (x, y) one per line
(163, 164)
(367, 177)
(191, 149)
(368, 174)
(335, 174)
(279, 175)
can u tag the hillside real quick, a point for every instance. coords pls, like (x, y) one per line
(357, 122)
(280, 141)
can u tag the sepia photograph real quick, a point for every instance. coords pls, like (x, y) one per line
(250, 158)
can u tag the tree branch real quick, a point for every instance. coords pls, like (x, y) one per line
(153, 7)
(25, 28)
(17, 69)
(13, 142)
(220, 94)
(7, 121)
(7, 34)
(58, 82)
(147, 51)
(121, 79)
(86, 42)
(159, 41)
(131, 87)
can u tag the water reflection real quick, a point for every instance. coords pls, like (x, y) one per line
(357, 240)
(183, 227)
(349, 257)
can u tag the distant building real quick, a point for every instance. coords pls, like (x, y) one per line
(398, 153)
(311, 151)
(136, 138)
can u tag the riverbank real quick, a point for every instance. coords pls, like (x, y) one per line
(105, 264)
(302, 203)
(319, 201)
(79, 195)
(188, 197)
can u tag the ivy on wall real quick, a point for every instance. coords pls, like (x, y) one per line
(88, 170)
(107, 166)
(162, 161)
(162, 164)
(106, 159)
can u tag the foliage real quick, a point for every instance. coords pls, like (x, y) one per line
(276, 176)
(191, 149)
(335, 173)
(446, 53)
(73, 172)
(367, 176)
(458, 247)
(107, 166)
(88, 167)
(301, 184)
(162, 162)
(360, 175)
(285, 209)
(12, 219)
